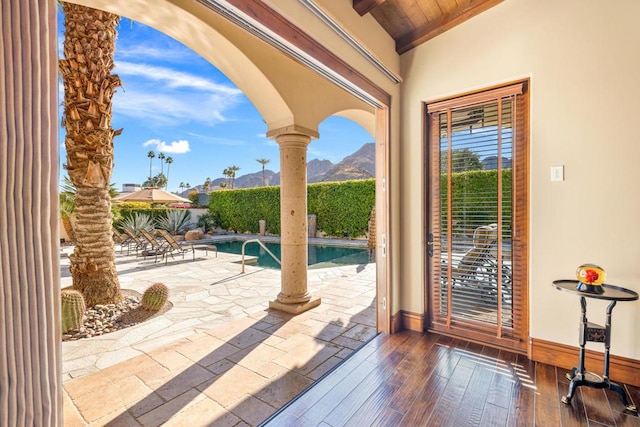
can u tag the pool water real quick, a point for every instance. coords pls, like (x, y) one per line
(319, 256)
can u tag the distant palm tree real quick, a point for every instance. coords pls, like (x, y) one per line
(207, 185)
(182, 186)
(168, 161)
(227, 172)
(233, 169)
(263, 162)
(151, 154)
(161, 157)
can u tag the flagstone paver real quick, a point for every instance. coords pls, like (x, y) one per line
(219, 356)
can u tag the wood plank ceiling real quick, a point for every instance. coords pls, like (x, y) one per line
(413, 22)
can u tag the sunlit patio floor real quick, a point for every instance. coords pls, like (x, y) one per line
(219, 356)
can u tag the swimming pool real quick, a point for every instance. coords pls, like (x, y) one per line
(319, 255)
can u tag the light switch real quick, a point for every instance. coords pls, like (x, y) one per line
(557, 173)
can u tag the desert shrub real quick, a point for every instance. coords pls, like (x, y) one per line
(177, 221)
(137, 221)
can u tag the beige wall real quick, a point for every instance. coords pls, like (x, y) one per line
(582, 58)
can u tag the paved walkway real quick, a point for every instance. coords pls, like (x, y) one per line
(219, 356)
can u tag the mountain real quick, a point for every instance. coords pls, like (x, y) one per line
(359, 165)
(364, 158)
(345, 172)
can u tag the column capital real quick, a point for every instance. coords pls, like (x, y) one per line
(293, 130)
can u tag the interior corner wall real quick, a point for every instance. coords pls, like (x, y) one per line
(30, 360)
(583, 64)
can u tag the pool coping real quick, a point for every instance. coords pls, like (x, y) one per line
(320, 241)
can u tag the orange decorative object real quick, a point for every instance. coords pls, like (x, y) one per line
(591, 278)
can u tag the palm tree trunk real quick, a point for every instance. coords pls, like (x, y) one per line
(89, 46)
(93, 268)
(68, 228)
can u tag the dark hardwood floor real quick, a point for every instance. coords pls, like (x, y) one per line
(413, 379)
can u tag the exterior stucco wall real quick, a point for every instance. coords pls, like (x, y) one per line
(582, 59)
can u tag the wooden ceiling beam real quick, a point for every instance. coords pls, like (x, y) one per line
(365, 6)
(442, 24)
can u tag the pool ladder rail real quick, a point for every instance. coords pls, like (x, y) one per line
(263, 247)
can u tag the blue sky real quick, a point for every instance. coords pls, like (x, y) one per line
(174, 101)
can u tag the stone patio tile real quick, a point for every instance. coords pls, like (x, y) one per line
(347, 342)
(72, 417)
(145, 405)
(221, 366)
(270, 370)
(344, 353)
(307, 356)
(361, 333)
(203, 412)
(170, 359)
(325, 332)
(355, 309)
(252, 410)
(173, 384)
(163, 413)
(324, 367)
(142, 331)
(277, 393)
(256, 356)
(288, 329)
(88, 383)
(229, 387)
(113, 357)
(231, 329)
(92, 405)
(71, 365)
(198, 346)
(153, 344)
(118, 418)
(366, 317)
(247, 338)
(81, 349)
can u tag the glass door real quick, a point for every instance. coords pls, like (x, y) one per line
(473, 238)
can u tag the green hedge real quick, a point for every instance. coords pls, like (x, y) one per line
(340, 207)
(477, 191)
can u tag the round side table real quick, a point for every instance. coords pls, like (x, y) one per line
(579, 376)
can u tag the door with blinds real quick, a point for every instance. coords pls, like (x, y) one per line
(477, 157)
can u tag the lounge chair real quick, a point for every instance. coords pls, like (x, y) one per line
(122, 239)
(157, 248)
(175, 247)
(137, 243)
(478, 267)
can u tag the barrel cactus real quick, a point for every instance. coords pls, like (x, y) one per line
(73, 308)
(155, 297)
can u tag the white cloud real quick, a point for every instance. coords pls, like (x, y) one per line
(164, 96)
(174, 79)
(175, 147)
(147, 51)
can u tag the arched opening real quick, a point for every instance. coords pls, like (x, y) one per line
(303, 113)
(38, 364)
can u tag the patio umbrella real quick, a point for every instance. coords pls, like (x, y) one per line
(151, 195)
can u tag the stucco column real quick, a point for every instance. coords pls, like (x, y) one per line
(294, 296)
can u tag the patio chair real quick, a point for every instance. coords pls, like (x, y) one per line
(122, 239)
(137, 243)
(478, 267)
(158, 248)
(176, 247)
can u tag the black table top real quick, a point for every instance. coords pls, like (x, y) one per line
(611, 293)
